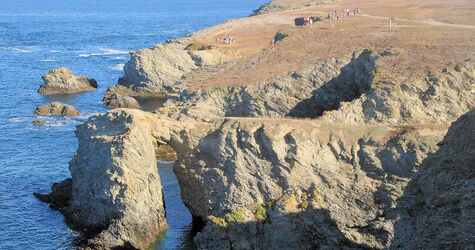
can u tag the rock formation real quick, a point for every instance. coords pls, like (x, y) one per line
(63, 81)
(338, 153)
(56, 108)
(121, 101)
(157, 71)
(347, 89)
(437, 206)
(226, 165)
(39, 122)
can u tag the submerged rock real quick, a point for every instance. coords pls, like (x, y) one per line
(63, 81)
(121, 101)
(56, 108)
(39, 122)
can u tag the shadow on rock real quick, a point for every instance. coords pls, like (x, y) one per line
(354, 80)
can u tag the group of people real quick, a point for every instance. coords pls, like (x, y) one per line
(347, 12)
(307, 21)
(226, 39)
(334, 16)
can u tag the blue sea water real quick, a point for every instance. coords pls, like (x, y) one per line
(92, 38)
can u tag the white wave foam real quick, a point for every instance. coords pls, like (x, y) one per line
(105, 51)
(54, 51)
(119, 57)
(16, 49)
(118, 67)
(47, 60)
(170, 31)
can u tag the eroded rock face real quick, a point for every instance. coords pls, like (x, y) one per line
(154, 71)
(121, 101)
(348, 89)
(63, 81)
(260, 183)
(437, 207)
(56, 108)
(116, 191)
(358, 170)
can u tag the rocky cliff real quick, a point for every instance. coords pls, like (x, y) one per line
(157, 71)
(332, 152)
(229, 165)
(349, 89)
(436, 209)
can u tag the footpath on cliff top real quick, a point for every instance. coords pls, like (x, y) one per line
(313, 141)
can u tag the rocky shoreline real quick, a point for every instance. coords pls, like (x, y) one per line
(341, 153)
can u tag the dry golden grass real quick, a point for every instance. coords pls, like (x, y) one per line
(426, 35)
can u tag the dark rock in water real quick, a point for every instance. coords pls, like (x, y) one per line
(39, 122)
(60, 195)
(63, 81)
(55, 108)
(120, 101)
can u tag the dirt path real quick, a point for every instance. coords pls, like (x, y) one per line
(426, 21)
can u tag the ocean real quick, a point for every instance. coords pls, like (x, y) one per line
(92, 38)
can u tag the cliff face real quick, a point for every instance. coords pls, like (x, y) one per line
(358, 173)
(437, 207)
(323, 156)
(347, 89)
(157, 71)
(116, 193)
(351, 175)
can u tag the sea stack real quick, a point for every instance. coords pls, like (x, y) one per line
(63, 81)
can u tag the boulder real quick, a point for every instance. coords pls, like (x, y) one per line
(63, 81)
(56, 108)
(121, 101)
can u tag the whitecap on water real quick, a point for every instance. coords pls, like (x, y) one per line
(119, 57)
(105, 51)
(20, 50)
(47, 60)
(117, 67)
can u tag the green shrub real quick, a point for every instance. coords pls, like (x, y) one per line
(260, 212)
(235, 216)
(218, 220)
(304, 205)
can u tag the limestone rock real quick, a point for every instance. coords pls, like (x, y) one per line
(121, 101)
(63, 80)
(56, 108)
